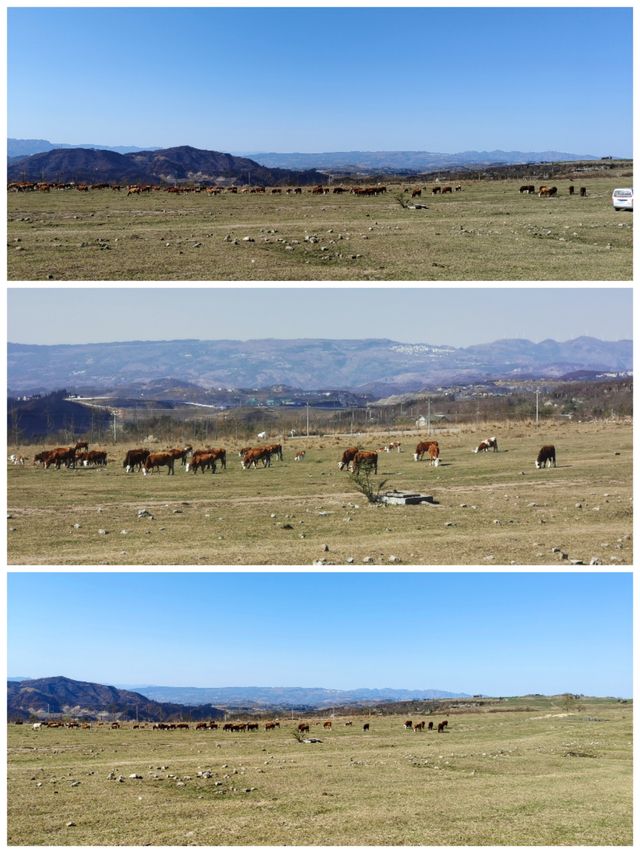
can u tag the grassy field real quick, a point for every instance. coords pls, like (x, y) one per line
(488, 231)
(528, 773)
(492, 508)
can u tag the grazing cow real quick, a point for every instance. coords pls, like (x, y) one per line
(546, 454)
(583, 192)
(299, 456)
(81, 445)
(159, 460)
(303, 727)
(365, 459)
(408, 724)
(349, 723)
(254, 455)
(135, 459)
(202, 459)
(210, 455)
(94, 457)
(61, 456)
(528, 188)
(262, 436)
(447, 190)
(430, 726)
(37, 726)
(458, 188)
(432, 450)
(547, 192)
(326, 724)
(274, 450)
(16, 460)
(392, 445)
(419, 727)
(422, 448)
(365, 728)
(416, 193)
(271, 726)
(436, 190)
(441, 727)
(347, 457)
(487, 444)
(572, 190)
(41, 458)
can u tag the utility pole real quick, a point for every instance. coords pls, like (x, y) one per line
(428, 415)
(537, 406)
(115, 426)
(307, 419)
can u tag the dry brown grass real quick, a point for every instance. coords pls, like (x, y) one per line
(537, 776)
(493, 508)
(486, 232)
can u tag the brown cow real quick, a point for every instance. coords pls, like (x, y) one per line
(255, 455)
(159, 460)
(61, 456)
(365, 459)
(423, 447)
(136, 457)
(347, 457)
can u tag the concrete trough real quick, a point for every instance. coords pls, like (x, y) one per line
(396, 497)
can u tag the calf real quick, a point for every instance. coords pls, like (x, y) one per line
(487, 444)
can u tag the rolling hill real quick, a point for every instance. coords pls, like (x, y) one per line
(356, 365)
(61, 695)
(168, 165)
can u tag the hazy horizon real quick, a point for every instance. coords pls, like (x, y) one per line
(440, 316)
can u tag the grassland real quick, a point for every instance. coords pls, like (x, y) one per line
(529, 772)
(486, 232)
(492, 508)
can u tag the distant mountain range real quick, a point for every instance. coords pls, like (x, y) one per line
(167, 165)
(288, 697)
(61, 695)
(26, 147)
(379, 365)
(399, 161)
(348, 161)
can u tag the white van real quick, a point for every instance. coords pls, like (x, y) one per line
(622, 199)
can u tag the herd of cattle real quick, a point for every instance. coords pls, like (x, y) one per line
(319, 189)
(548, 192)
(141, 459)
(211, 725)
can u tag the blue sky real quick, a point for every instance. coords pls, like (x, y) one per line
(453, 316)
(324, 79)
(493, 633)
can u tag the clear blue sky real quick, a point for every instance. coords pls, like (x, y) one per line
(324, 79)
(494, 633)
(453, 316)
